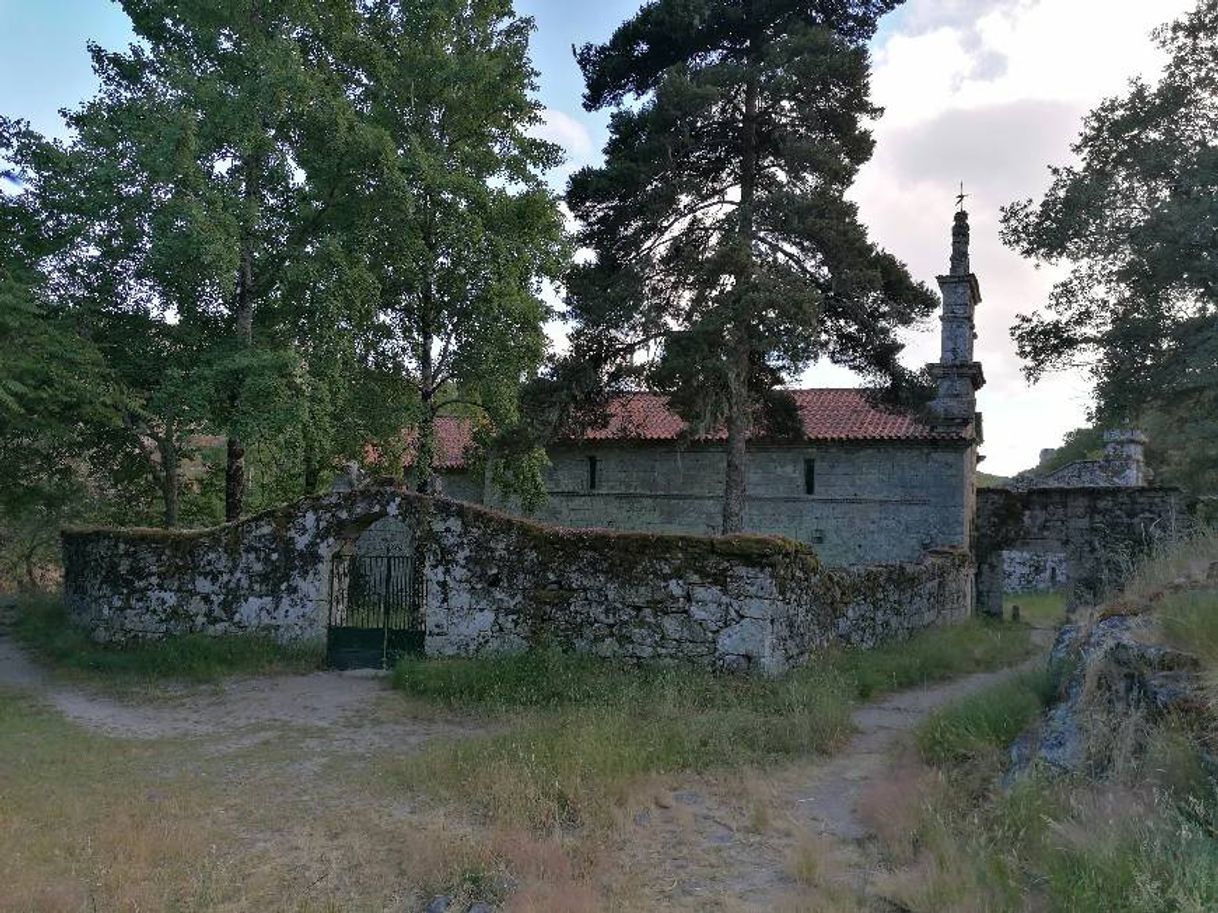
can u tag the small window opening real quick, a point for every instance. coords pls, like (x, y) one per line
(591, 473)
(809, 477)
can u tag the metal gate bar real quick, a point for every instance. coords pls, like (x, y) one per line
(377, 610)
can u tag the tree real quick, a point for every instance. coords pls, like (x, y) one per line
(458, 226)
(1136, 221)
(726, 256)
(225, 93)
(190, 225)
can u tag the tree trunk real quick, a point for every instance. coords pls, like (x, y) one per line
(425, 446)
(169, 478)
(739, 397)
(234, 469)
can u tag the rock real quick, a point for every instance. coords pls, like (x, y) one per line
(438, 904)
(480, 907)
(643, 818)
(1117, 673)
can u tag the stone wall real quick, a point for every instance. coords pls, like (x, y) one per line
(1101, 532)
(1034, 572)
(873, 502)
(496, 583)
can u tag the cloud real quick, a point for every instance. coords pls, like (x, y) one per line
(961, 14)
(991, 92)
(563, 129)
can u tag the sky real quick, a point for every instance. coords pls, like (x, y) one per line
(988, 92)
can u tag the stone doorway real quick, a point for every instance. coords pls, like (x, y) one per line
(378, 605)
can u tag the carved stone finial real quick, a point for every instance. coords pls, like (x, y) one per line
(960, 240)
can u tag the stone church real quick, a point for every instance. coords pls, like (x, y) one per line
(862, 486)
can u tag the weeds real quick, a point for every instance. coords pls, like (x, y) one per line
(1142, 840)
(976, 645)
(986, 721)
(44, 628)
(1189, 620)
(581, 730)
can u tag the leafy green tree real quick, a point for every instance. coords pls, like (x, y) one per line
(459, 229)
(214, 105)
(54, 394)
(727, 258)
(1135, 220)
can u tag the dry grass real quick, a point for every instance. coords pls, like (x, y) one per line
(1186, 560)
(824, 878)
(94, 823)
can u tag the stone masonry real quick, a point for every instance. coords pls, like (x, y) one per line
(1097, 534)
(496, 583)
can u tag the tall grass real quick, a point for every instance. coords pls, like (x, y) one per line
(986, 721)
(1189, 620)
(580, 731)
(977, 645)
(44, 628)
(1142, 840)
(1186, 555)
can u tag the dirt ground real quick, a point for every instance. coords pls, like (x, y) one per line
(290, 773)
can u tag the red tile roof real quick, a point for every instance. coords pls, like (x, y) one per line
(827, 415)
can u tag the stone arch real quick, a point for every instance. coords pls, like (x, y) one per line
(373, 575)
(1095, 534)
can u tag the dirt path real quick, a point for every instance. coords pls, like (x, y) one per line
(693, 844)
(346, 712)
(704, 848)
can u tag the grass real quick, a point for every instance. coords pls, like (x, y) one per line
(986, 721)
(1189, 621)
(1041, 610)
(1143, 839)
(581, 732)
(976, 645)
(44, 628)
(89, 822)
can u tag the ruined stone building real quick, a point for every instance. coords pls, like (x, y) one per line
(863, 485)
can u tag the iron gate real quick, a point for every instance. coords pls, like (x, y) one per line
(377, 610)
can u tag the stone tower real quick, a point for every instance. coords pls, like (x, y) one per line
(959, 377)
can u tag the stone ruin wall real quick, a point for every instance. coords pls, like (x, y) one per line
(1092, 536)
(497, 584)
(1034, 572)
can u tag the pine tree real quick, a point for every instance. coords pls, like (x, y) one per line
(727, 258)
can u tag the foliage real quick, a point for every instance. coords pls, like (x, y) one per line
(727, 258)
(43, 627)
(1189, 621)
(1079, 444)
(1143, 839)
(1135, 220)
(455, 223)
(587, 729)
(241, 232)
(975, 645)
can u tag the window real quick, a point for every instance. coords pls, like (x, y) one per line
(809, 477)
(591, 473)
